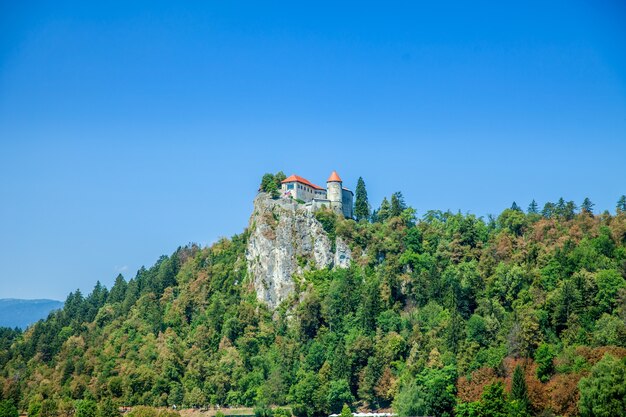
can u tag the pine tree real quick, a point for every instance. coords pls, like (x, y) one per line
(519, 392)
(397, 204)
(279, 177)
(515, 207)
(587, 206)
(621, 204)
(570, 210)
(533, 208)
(361, 205)
(548, 210)
(559, 209)
(384, 211)
(118, 292)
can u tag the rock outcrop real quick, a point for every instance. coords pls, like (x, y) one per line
(286, 240)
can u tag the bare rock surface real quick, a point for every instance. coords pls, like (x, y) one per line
(286, 240)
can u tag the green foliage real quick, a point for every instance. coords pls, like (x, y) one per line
(519, 393)
(108, 408)
(603, 393)
(328, 219)
(621, 204)
(472, 409)
(271, 183)
(513, 220)
(432, 392)
(263, 411)
(143, 411)
(397, 204)
(384, 212)
(8, 409)
(587, 206)
(609, 283)
(305, 395)
(544, 357)
(361, 203)
(494, 401)
(345, 411)
(426, 301)
(49, 408)
(339, 396)
(89, 408)
(34, 408)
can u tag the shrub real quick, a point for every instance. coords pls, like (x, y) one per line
(143, 411)
(8, 409)
(85, 408)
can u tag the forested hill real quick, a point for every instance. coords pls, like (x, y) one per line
(520, 314)
(22, 313)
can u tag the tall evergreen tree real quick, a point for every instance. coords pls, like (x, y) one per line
(587, 206)
(361, 204)
(519, 390)
(118, 292)
(570, 210)
(621, 204)
(397, 204)
(533, 208)
(515, 207)
(384, 211)
(548, 210)
(559, 208)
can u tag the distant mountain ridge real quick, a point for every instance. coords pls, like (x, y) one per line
(22, 313)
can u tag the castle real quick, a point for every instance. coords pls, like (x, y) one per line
(334, 196)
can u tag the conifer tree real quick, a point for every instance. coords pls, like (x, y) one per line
(279, 177)
(548, 210)
(384, 211)
(519, 392)
(559, 209)
(570, 210)
(587, 206)
(397, 204)
(533, 208)
(515, 207)
(621, 204)
(361, 205)
(118, 292)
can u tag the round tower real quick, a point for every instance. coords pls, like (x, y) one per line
(334, 192)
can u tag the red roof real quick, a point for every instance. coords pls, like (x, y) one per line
(334, 177)
(296, 178)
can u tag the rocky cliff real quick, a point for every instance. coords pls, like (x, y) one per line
(286, 240)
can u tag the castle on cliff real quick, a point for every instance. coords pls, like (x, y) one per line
(334, 195)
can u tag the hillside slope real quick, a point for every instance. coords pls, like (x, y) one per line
(22, 313)
(432, 316)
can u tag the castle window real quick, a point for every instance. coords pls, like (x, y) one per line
(290, 186)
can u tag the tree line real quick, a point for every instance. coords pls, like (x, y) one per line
(520, 314)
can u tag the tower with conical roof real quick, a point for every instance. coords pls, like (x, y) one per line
(334, 187)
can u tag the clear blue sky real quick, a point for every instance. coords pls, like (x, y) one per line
(130, 128)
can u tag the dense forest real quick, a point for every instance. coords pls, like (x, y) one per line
(444, 314)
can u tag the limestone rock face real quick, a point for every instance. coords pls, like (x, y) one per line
(286, 240)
